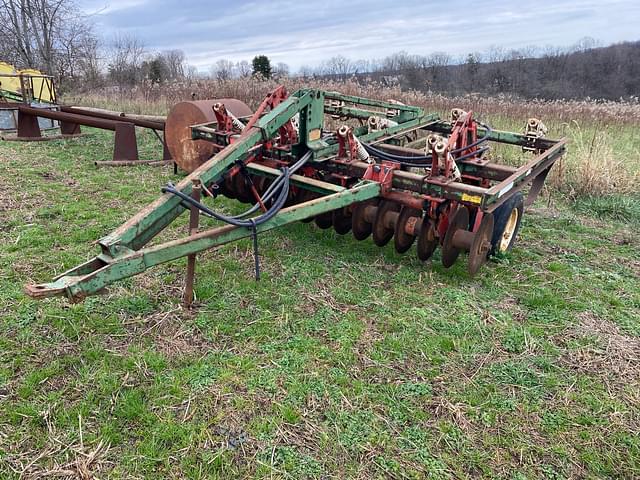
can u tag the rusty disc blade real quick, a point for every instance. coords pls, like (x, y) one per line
(229, 186)
(360, 227)
(459, 220)
(324, 220)
(481, 244)
(242, 188)
(260, 184)
(382, 232)
(427, 240)
(341, 221)
(187, 153)
(222, 189)
(403, 240)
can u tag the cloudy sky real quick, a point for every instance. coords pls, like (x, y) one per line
(307, 32)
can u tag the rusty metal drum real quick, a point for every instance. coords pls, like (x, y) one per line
(187, 153)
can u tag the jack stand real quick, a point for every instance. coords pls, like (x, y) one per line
(194, 219)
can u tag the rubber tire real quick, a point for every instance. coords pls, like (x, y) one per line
(500, 219)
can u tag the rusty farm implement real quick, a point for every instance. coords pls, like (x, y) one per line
(373, 168)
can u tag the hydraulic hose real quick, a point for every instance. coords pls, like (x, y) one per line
(488, 131)
(478, 152)
(404, 160)
(416, 160)
(270, 192)
(280, 187)
(251, 223)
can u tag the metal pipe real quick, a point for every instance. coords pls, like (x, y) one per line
(115, 118)
(132, 163)
(404, 199)
(136, 116)
(194, 220)
(70, 117)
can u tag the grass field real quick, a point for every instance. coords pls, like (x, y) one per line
(344, 361)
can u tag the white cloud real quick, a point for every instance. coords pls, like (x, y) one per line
(309, 32)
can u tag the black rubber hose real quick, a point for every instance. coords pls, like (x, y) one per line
(413, 161)
(274, 186)
(392, 157)
(270, 213)
(479, 151)
(488, 131)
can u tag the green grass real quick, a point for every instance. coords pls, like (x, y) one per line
(344, 361)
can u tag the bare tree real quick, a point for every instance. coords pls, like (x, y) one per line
(437, 65)
(192, 72)
(222, 69)
(339, 66)
(90, 62)
(584, 44)
(127, 55)
(306, 71)
(45, 34)
(281, 70)
(174, 61)
(243, 69)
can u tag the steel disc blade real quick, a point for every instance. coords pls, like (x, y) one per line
(481, 244)
(403, 240)
(382, 232)
(360, 227)
(341, 221)
(427, 239)
(242, 189)
(459, 220)
(229, 186)
(324, 220)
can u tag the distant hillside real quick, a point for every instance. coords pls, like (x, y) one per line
(611, 72)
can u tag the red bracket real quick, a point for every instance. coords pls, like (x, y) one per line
(288, 135)
(347, 145)
(381, 173)
(463, 133)
(225, 122)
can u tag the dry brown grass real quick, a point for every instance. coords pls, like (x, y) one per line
(599, 162)
(160, 98)
(604, 351)
(604, 157)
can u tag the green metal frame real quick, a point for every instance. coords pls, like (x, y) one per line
(96, 274)
(123, 252)
(8, 95)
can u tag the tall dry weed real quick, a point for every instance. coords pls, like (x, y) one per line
(597, 163)
(594, 168)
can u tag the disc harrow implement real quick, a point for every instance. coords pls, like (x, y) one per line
(351, 164)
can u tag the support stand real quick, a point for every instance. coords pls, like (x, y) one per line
(194, 218)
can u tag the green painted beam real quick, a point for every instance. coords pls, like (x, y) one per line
(332, 149)
(418, 111)
(499, 136)
(300, 181)
(151, 220)
(77, 286)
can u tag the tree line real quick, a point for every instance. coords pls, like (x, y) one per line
(585, 69)
(58, 38)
